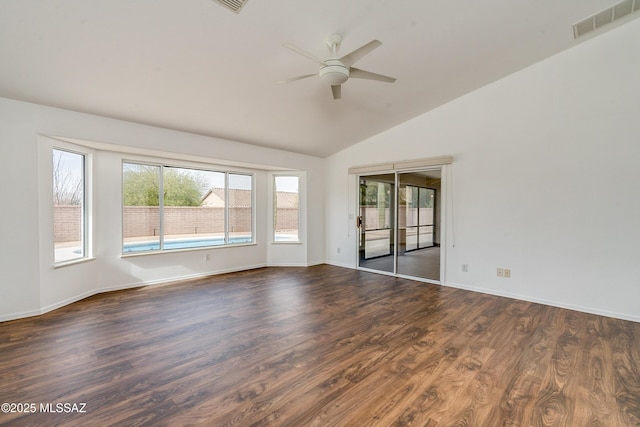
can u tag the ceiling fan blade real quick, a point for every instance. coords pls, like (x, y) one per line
(351, 58)
(303, 53)
(293, 79)
(357, 73)
(337, 91)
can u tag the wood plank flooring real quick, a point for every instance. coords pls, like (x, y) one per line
(318, 346)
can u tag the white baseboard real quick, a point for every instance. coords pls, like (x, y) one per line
(583, 309)
(285, 264)
(338, 264)
(20, 315)
(314, 263)
(71, 300)
(120, 287)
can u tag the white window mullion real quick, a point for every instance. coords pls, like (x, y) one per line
(161, 206)
(226, 208)
(83, 219)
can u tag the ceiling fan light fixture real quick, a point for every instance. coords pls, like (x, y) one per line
(334, 72)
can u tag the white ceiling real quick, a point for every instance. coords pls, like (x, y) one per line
(195, 66)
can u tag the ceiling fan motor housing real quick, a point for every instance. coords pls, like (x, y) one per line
(334, 72)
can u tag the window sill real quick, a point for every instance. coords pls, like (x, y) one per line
(173, 251)
(73, 262)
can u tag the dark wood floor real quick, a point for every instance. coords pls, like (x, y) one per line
(319, 346)
(421, 263)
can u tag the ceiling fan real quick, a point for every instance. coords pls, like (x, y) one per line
(336, 71)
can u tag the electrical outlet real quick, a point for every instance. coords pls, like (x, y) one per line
(338, 250)
(500, 272)
(465, 268)
(507, 272)
(207, 257)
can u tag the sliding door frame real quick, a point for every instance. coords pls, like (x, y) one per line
(442, 226)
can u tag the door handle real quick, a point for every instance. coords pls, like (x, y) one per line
(359, 221)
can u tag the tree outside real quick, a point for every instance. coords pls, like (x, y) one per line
(182, 187)
(67, 178)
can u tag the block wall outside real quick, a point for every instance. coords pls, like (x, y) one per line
(286, 219)
(375, 218)
(66, 223)
(142, 221)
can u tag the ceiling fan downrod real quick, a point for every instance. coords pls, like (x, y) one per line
(334, 71)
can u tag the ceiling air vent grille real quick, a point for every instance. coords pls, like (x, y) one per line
(607, 16)
(234, 5)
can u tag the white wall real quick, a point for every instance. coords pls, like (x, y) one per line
(28, 282)
(19, 270)
(545, 180)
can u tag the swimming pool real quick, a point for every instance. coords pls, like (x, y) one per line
(205, 242)
(183, 244)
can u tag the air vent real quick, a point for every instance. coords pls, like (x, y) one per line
(605, 17)
(234, 5)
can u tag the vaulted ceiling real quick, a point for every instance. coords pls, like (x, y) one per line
(196, 66)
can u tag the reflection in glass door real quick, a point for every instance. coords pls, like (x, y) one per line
(376, 222)
(417, 210)
(418, 240)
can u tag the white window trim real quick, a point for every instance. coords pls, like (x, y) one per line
(405, 165)
(87, 214)
(207, 167)
(274, 206)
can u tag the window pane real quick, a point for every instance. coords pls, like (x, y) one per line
(141, 208)
(426, 236)
(426, 217)
(240, 209)
(286, 227)
(426, 206)
(167, 207)
(194, 205)
(412, 206)
(68, 206)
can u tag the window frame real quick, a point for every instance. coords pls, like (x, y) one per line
(275, 176)
(86, 228)
(197, 167)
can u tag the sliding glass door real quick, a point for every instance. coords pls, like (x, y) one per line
(376, 222)
(399, 223)
(418, 224)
